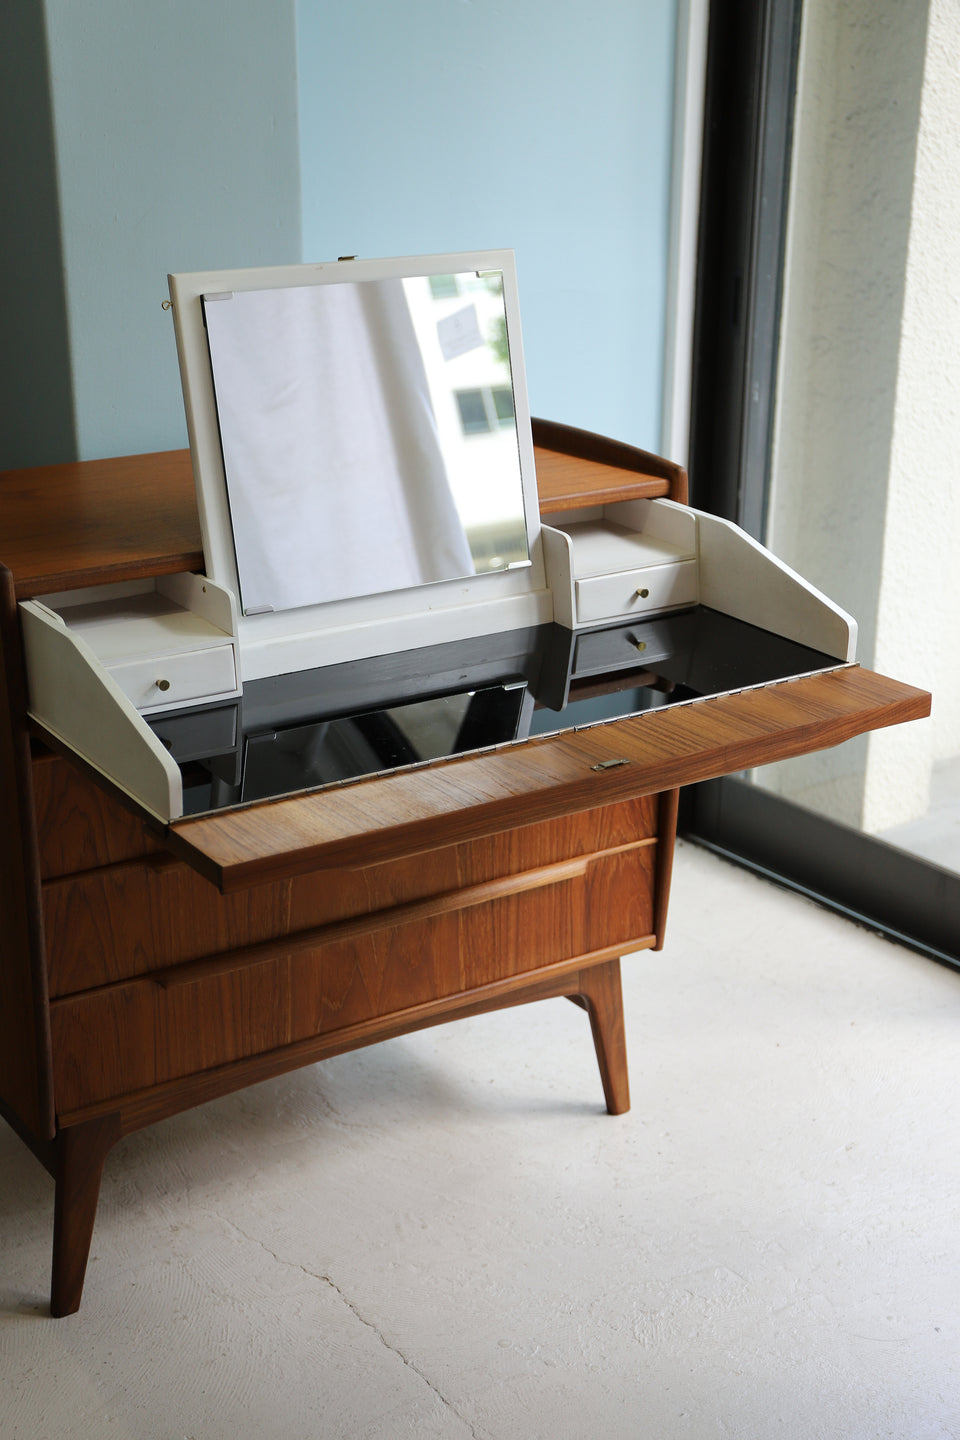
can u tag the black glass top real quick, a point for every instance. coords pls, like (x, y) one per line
(329, 726)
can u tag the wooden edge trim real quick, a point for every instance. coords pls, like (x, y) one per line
(144, 1107)
(144, 568)
(645, 487)
(676, 745)
(668, 802)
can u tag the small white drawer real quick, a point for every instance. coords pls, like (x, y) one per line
(163, 680)
(634, 592)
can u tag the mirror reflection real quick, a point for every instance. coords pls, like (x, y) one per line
(368, 434)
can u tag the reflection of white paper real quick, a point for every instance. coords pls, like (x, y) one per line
(459, 333)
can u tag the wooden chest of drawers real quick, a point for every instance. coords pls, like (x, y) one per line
(147, 968)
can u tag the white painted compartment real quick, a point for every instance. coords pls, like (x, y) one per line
(97, 660)
(601, 559)
(611, 562)
(636, 592)
(176, 679)
(166, 642)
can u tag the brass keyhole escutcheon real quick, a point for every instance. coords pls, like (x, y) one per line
(163, 684)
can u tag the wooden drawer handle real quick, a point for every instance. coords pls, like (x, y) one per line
(340, 930)
(266, 950)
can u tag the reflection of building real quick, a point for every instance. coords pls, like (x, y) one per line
(461, 329)
(487, 408)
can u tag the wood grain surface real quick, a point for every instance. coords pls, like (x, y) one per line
(97, 521)
(81, 1152)
(128, 919)
(144, 1107)
(80, 825)
(601, 995)
(467, 797)
(566, 483)
(137, 1034)
(551, 439)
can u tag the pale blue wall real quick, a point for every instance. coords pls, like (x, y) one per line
(173, 144)
(541, 125)
(175, 127)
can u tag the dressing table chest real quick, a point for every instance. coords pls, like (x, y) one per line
(152, 960)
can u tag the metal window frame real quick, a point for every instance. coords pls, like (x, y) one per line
(753, 49)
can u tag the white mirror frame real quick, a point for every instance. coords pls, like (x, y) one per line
(284, 641)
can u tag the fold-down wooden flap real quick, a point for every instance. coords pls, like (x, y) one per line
(417, 810)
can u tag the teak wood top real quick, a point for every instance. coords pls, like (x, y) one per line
(461, 799)
(576, 468)
(97, 521)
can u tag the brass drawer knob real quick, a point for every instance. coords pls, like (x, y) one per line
(642, 593)
(163, 684)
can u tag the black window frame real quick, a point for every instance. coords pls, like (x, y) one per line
(752, 54)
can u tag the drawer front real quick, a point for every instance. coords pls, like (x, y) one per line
(127, 920)
(129, 1037)
(79, 825)
(601, 597)
(171, 679)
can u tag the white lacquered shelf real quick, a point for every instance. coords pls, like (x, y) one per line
(602, 547)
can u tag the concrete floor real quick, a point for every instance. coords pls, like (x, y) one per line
(445, 1236)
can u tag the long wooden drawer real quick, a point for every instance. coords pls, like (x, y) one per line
(128, 1037)
(125, 920)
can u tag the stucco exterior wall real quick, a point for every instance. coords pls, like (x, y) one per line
(919, 605)
(866, 409)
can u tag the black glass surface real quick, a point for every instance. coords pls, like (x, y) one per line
(329, 726)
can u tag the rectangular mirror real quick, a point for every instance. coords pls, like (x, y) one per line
(368, 435)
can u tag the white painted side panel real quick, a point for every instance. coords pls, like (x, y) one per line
(167, 642)
(75, 698)
(739, 577)
(661, 520)
(558, 558)
(213, 602)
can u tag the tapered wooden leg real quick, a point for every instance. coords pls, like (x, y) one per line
(80, 1153)
(599, 993)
